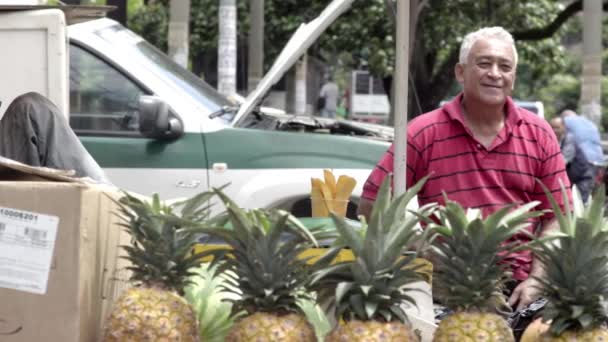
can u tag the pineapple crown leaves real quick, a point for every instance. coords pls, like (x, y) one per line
(576, 265)
(373, 285)
(470, 254)
(162, 240)
(262, 257)
(208, 297)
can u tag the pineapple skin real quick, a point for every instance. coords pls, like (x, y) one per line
(537, 331)
(268, 327)
(151, 314)
(372, 331)
(595, 335)
(474, 327)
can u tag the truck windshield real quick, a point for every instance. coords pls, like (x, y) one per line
(159, 63)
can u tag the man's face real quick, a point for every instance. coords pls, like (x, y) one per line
(488, 76)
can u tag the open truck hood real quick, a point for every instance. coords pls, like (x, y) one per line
(300, 41)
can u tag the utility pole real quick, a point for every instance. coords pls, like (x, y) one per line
(592, 60)
(400, 79)
(179, 20)
(226, 54)
(256, 43)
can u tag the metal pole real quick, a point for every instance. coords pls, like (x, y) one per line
(401, 93)
(226, 56)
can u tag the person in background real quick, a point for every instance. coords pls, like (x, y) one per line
(34, 132)
(330, 94)
(580, 171)
(483, 151)
(587, 138)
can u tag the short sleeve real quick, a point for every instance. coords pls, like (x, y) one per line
(376, 177)
(552, 175)
(386, 167)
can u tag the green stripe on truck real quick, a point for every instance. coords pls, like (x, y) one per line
(239, 149)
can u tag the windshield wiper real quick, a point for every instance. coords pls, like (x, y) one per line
(223, 111)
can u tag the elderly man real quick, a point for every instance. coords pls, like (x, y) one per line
(482, 150)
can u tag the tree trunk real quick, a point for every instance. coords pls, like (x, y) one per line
(179, 19)
(256, 43)
(592, 61)
(120, 13)
(226, 64)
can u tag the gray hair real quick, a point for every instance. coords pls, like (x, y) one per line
(495, 32)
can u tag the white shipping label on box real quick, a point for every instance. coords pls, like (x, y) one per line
(27, 240)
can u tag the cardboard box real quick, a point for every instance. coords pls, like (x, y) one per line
(82, 281)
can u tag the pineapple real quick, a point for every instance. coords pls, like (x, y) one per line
(264, 272)
(367, 292)
(154, 310)
(470, 272)
(576, 280)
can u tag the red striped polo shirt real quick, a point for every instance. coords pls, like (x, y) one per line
(440, 144)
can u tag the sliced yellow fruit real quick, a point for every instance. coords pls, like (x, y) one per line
(330, 180)
(317, 202)
(345, 187)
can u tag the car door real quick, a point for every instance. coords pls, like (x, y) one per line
(104, 114)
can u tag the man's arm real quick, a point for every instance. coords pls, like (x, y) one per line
(365, 208)
(527, 291)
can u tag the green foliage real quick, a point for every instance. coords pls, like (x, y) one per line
(262, 258)
(561, 92)
(374, 284)
(209, 300)
(163, 237)
(471, 255)
(575, 260)
(151, 22)
(366, 32)
(212, 304)
(317, 318)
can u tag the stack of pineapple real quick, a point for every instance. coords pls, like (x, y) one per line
(367, 293)
(263, 267)
(154, 309)
(470, 273)
(576, 281)
(264, 272)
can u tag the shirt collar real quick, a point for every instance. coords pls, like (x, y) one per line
(454, 111)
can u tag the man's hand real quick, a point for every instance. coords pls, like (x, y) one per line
(525, 293)
(365, 208)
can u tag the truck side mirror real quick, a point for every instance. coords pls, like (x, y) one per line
(155, 120)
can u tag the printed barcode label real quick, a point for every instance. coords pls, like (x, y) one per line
(35, 234)
(27, 240)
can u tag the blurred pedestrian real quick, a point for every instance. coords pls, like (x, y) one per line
(580, 171)
(586, 134)
(330, 94)
(587, 138)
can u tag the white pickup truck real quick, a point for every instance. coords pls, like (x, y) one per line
(155, 127)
